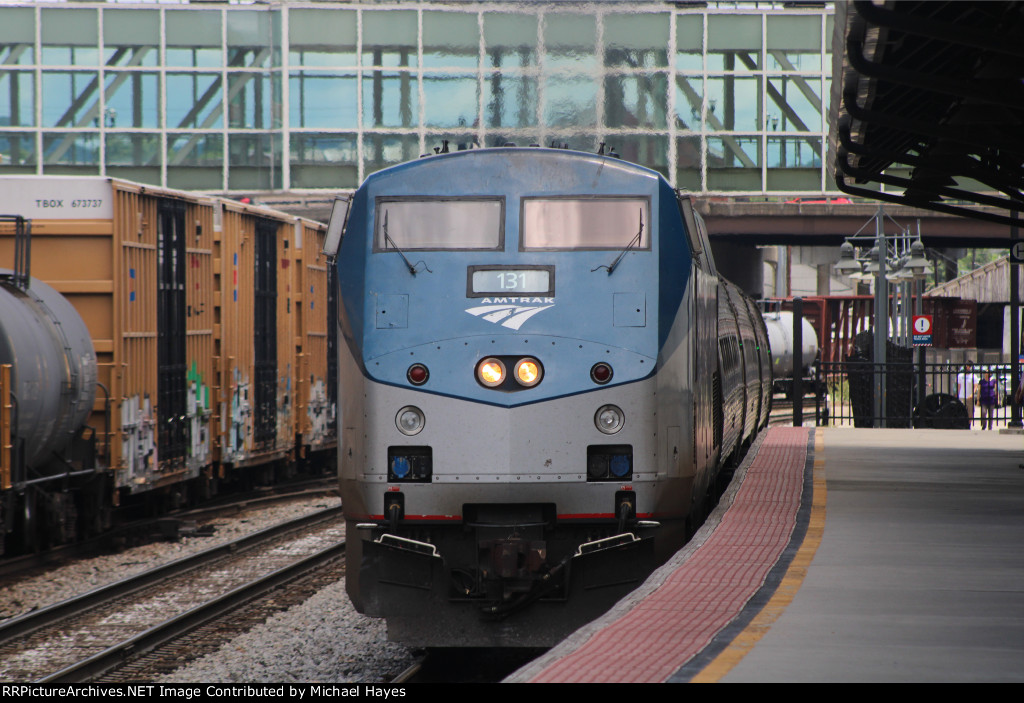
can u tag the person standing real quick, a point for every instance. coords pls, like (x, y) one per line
(967, 389)
(987, 398)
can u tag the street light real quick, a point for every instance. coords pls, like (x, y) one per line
(907, 264)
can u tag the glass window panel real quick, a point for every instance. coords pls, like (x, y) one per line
(511, 40)
(252, 38)
(255, 161)
(323, 100)
(134, 157)
(131, 37)
(690, 43)
(195, 161)
(570, 100)
(514, 137)
(132, 99)
(70, 37)
(438, 223)
(794, 43)
(734, 103)
(17, 35)
(734, 163)
(71, 152)
(389, 38)
(19, 25)
(570, 42)
(17, 99)
(592, 223)
(17, 152)
(734, 43)
(690, 102)
(636, 100)
(794, 104)
(511, 100)
(324, 160)
(70, 98)
(194, 100)
(383, 150)
(132, 149)
(794, 152)
(688, 168)
(780, 60)
(250, 96)
(794, 179)
(451, 39)
(451, 101)
(322, 37)
(636, 40)
(648, 150)
(15, 54)
(194, 38)
(389, 99)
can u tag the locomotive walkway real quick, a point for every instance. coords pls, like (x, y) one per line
(836, 555)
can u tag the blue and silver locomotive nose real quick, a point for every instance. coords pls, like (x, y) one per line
(527, 385)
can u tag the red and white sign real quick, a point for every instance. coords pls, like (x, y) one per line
(922, 330)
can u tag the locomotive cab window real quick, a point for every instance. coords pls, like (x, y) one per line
(420, 224)
(586, 223)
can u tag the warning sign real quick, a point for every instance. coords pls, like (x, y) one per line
(922, 330)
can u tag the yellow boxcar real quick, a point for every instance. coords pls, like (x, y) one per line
(137, 264)
(256, 359)
(316, 383)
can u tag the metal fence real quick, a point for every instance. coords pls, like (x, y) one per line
(913, 395)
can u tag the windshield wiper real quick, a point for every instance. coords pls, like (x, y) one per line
(388, 239)
(635, 241)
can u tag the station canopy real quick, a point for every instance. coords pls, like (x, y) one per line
(928, 97)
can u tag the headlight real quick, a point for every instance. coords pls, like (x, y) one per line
(410, 420)
(529, 372)
(609, 419)
(491, 372)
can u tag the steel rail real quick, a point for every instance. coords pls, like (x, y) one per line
(30, 622)
(169, 630)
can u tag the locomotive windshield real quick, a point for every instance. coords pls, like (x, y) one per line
(590, 223)
(437, 223)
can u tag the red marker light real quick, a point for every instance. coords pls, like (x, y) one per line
(601, 373)
(417, 374)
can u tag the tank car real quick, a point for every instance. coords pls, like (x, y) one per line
(779, 325)
(48, 369)
(530, 389)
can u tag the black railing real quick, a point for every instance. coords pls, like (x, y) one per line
(913, 395)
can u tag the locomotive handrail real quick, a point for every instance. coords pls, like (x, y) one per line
(606, 543)
(406, 543)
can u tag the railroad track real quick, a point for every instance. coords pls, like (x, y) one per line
(151, 529)
(87, 637)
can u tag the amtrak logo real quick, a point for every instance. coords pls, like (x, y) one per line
(510, 312)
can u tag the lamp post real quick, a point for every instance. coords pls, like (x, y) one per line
(909, 265)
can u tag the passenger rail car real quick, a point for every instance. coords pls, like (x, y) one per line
(208, 353)
(531, 389)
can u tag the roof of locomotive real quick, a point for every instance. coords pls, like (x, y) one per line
(564, 161)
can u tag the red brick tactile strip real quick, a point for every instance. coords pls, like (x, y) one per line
(650, 635)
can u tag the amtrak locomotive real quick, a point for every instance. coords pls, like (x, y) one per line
(541, 381)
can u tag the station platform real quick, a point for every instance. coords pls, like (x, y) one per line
(835, 555)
